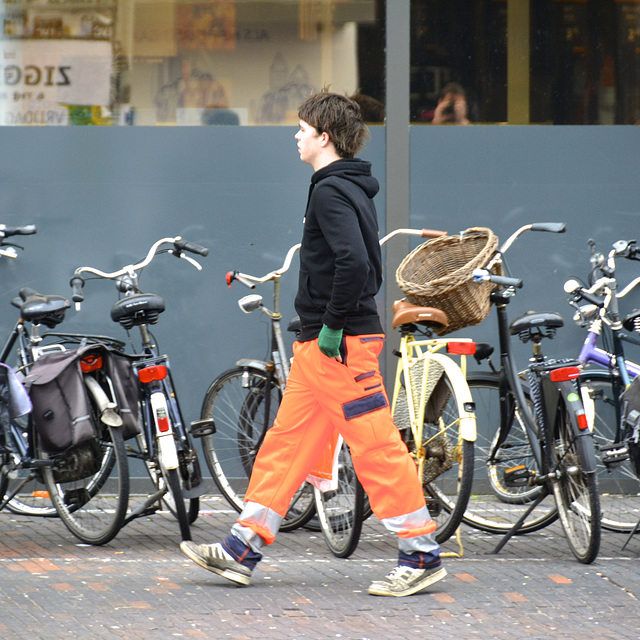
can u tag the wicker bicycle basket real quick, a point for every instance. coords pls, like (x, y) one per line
(439, 273)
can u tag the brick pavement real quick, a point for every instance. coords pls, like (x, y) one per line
(140, 587)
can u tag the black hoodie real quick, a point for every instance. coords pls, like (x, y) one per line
(340, 261)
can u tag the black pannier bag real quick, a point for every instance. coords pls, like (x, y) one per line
(127, 392)
(61, 410)
(630, 404)
(61, 407)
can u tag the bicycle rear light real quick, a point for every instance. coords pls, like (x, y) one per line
(152, 374)
(461, 348)
(91, 362)
(564, 374)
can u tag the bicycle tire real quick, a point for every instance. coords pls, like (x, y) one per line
(4, 480)
(191, 508)
(448, 493)
(91, 510)
(576, 493)
(341, 512)
(618, 483)
(236, 401)
(485, 510)
(175, 497)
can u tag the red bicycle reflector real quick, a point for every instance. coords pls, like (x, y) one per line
(229, 278)
(582, 422)
(461, 348)
(151, 374)
(163, 424)
(564, 374)
(89, 363)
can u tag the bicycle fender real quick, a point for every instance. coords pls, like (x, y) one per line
(584, 437)
(466, 406)
(256, 364)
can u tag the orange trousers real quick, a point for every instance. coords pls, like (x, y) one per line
(322, 396)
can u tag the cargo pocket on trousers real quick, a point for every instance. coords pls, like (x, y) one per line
(362, 406)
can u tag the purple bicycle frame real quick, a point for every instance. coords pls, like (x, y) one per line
(592, 354)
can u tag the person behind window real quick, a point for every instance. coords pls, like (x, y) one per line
(452, 106)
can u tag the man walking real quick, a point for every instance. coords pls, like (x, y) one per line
(335, 380)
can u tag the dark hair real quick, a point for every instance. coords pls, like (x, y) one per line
(339, 117)
(454, 88)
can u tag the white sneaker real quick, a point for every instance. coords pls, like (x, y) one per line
(214, 558)
(405, 581)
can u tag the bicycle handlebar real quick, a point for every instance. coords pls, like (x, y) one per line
(27, 230)
(482, 275)
(179, 247)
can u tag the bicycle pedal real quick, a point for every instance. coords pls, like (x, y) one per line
(200, 428)
(518, 476)
(614, 454)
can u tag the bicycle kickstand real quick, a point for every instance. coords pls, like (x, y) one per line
(507, 536)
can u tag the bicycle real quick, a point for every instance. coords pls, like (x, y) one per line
(68, 483)
(164, 443)
(606, 374)
(543, 447)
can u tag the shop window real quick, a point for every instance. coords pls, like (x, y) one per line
(173, 62)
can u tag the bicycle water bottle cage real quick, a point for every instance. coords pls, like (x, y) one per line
(140, 308)
(632, 321)
(38, 308)
(534, 326)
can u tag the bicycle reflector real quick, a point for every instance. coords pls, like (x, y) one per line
(461, 348)
(152, 374)
(582, 421)
(564, 374)
(91, 362)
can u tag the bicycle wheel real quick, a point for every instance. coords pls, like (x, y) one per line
(4, 481)
(341, 512)
(176, 502)
(89, 487)
(576, 493)
(487, 509)
(618, 484)
(447, 467)
(243, 403)
(186, 510)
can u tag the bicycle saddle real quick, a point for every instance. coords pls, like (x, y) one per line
(406, 313)
(139, 308)
(39, 308)
(295, 326)
(535, 326)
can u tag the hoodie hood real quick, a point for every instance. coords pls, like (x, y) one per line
(353, 169)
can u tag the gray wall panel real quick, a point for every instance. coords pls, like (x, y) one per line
(101, 196)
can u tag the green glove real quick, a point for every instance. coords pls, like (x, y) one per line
(329, 341)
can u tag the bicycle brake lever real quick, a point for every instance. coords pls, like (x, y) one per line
(189, 259)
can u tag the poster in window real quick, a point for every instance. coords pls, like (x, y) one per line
(207, 27)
